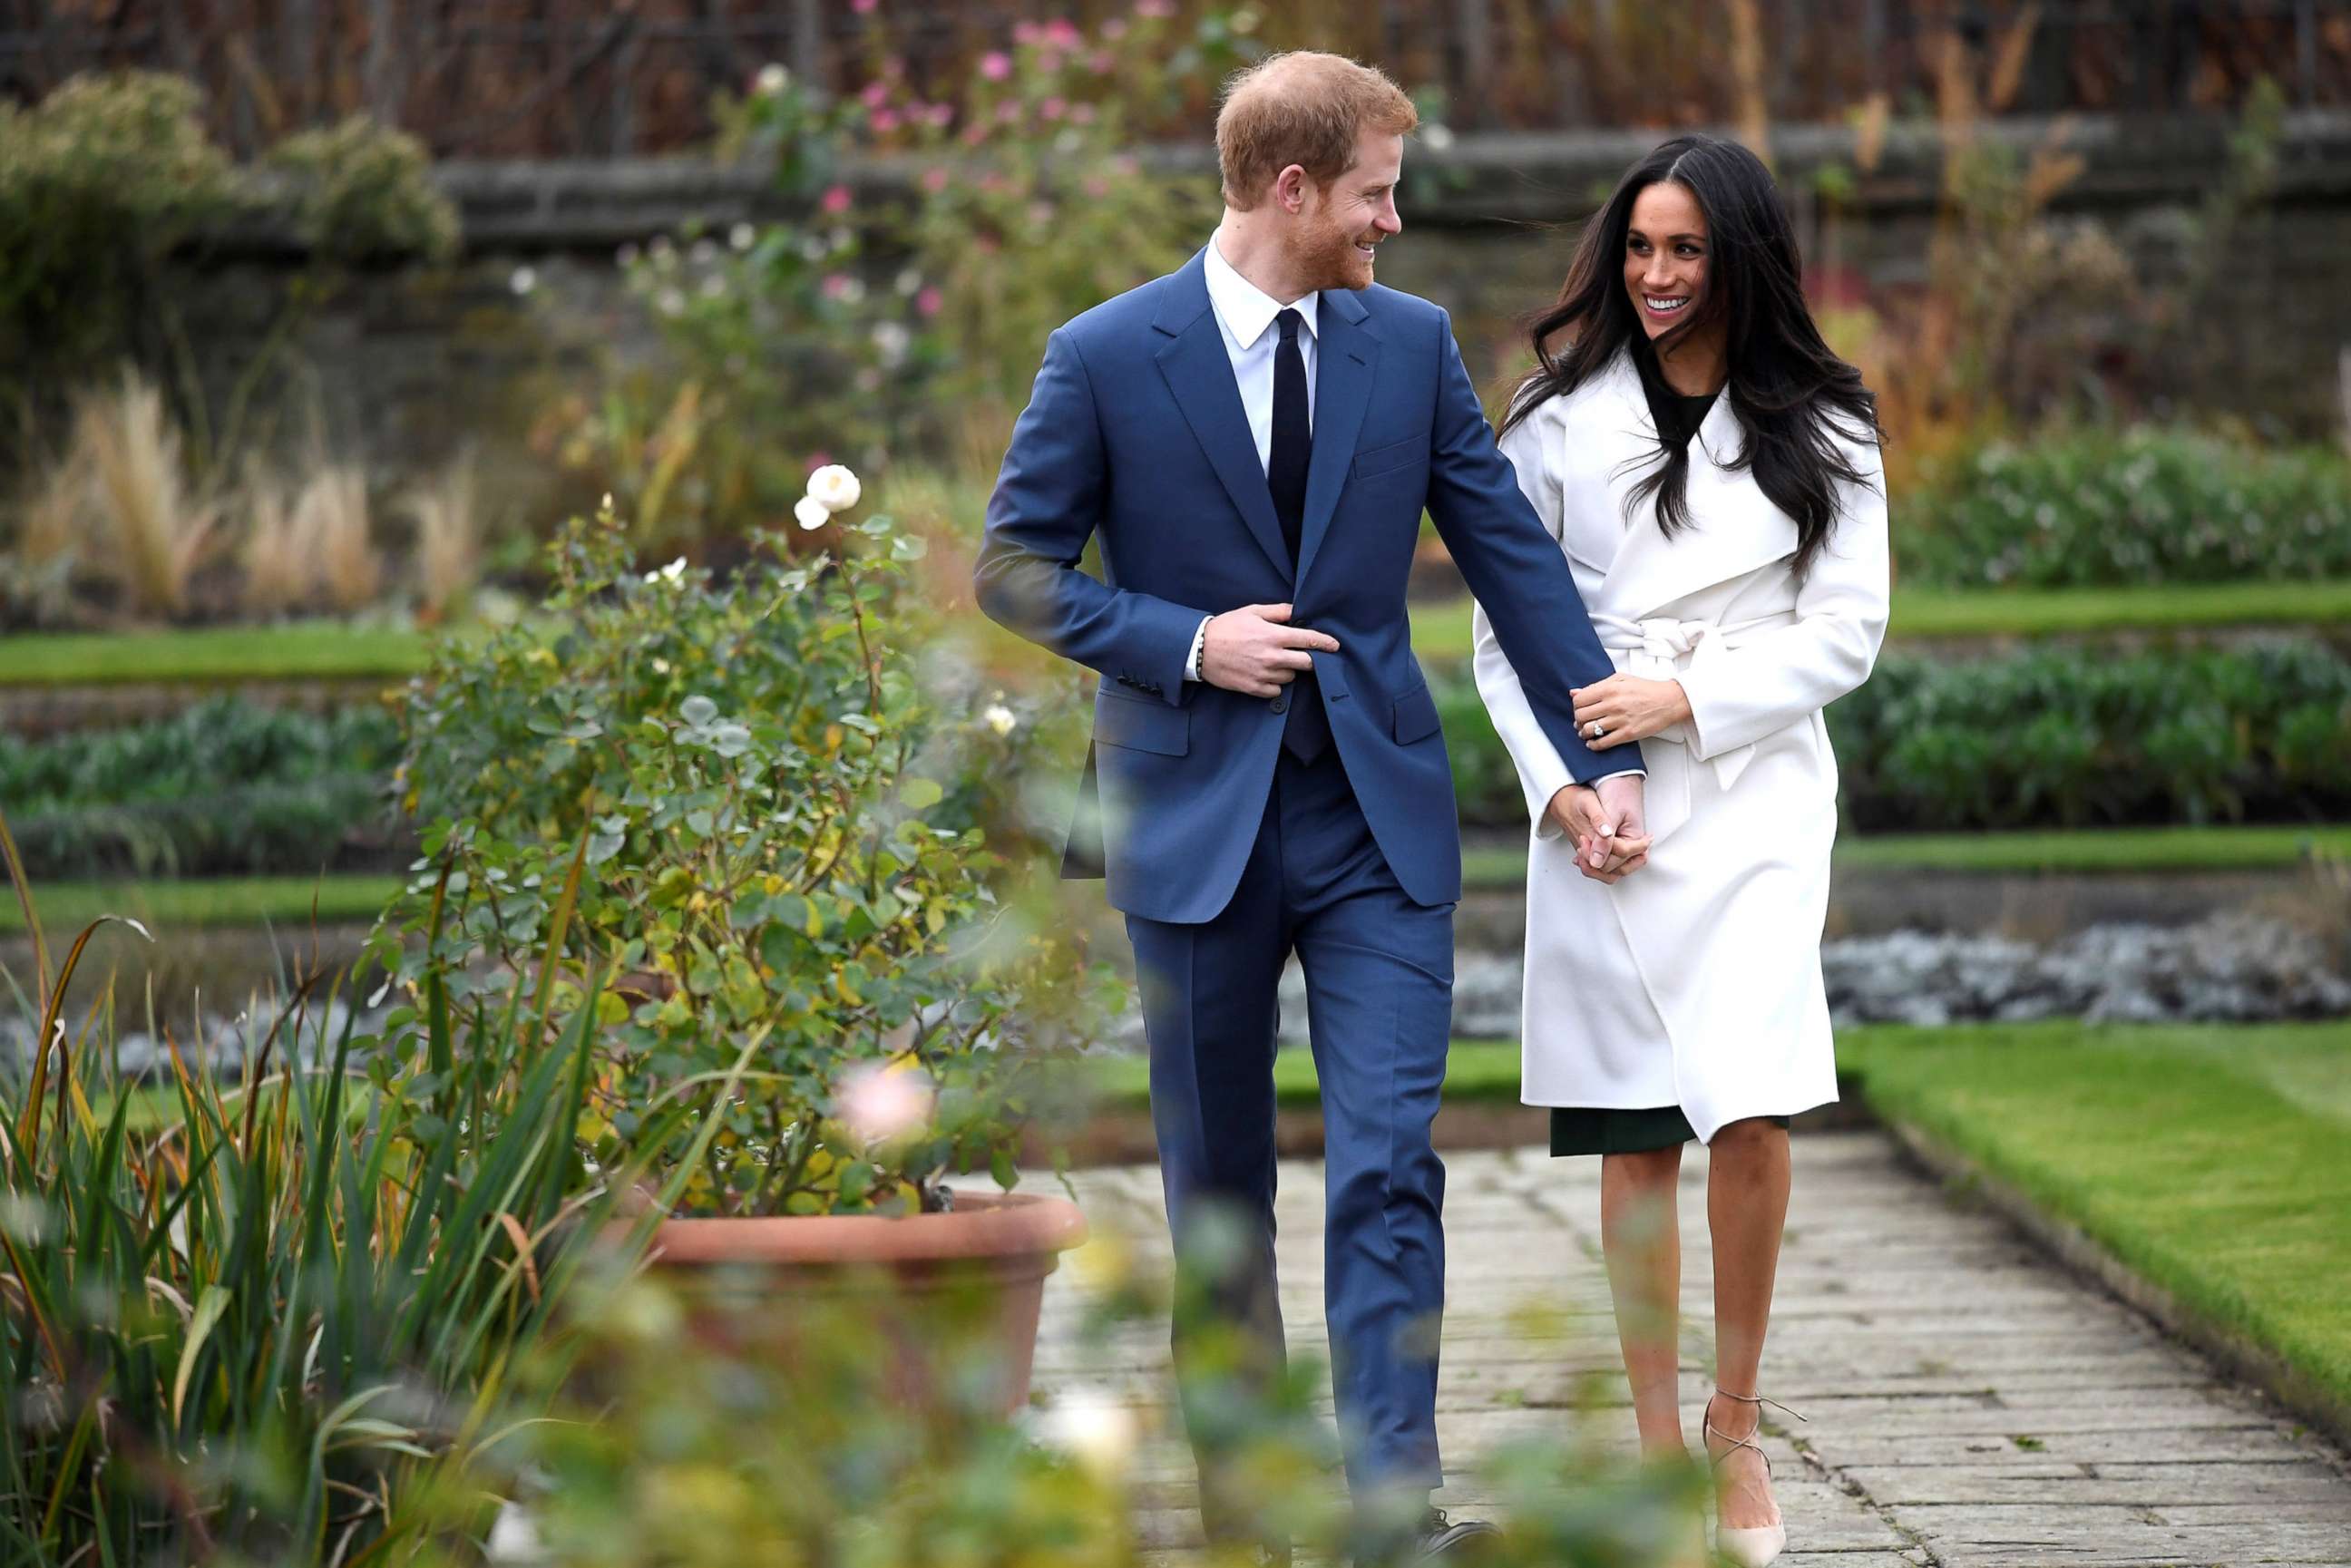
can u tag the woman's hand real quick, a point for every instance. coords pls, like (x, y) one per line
(1628, 708)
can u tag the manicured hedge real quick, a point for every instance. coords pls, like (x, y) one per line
(2148, 505)
(2053, 737)
(226, 787)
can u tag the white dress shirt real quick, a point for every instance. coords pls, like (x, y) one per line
(1245, 315)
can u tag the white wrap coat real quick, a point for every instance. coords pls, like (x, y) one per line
(1696, 981)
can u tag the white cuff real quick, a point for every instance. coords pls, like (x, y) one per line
(1199, 651)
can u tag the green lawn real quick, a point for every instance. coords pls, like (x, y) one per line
(308, 651)
(2214, 1162)
(327, 650)
(2078, 851)
(65, 907)
(1441, 631)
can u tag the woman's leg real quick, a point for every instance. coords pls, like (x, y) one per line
(1746, 1209)
(1640, 1233)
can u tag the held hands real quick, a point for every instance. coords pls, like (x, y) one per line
(1610, 834)
(1628, 708)
(1256, 652)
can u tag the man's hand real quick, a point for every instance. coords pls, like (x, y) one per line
(1255, 650)
(1607, 825)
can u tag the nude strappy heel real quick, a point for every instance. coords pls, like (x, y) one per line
(1754, 1546)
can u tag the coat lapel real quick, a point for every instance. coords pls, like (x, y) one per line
(1345, 359)
(1734, 527)
(1200, 375)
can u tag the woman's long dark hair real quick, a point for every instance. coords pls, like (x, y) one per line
(1793, 395)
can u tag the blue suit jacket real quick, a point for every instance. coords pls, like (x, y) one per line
(1135, 433)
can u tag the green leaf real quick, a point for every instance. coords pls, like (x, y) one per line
(921, 794)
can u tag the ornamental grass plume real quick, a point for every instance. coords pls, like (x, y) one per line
(447, 512)
(275, 565)
(330, 518)
(157, 533)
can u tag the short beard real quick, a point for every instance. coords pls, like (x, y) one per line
(1331, 261)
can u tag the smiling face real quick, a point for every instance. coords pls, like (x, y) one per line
(1664, 256)
(1336, 231)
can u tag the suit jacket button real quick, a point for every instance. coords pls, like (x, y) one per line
(1280, 704)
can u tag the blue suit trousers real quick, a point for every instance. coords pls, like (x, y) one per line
(1379, 980)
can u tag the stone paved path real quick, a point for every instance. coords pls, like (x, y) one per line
(1969, 1402)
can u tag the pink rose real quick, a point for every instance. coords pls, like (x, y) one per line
(836, 201)
(929, 301)
(1027, 32)
(1064, 33)
(996, 65)
(875, 94)
(934, 180)
(885, 120)
(1157, 10)
(1008, 110)
(941, 113)
(836, 286)
(1052, 108)
(863, 7)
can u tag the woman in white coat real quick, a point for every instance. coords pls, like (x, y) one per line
(1711, 472)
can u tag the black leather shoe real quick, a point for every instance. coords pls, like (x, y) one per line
(1437, 1539)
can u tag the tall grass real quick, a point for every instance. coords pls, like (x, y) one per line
(156, 532)
(331, 520)
(447, 512)
(276, 565)
(276, 1319)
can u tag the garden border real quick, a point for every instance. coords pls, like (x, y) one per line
(2073, 1247)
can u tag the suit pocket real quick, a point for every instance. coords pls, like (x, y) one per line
(1415, 716)
(1142, 727)
(1394, 455)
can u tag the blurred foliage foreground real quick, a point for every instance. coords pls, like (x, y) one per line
(715, 918)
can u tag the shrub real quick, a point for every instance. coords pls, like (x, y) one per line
(226, 787)
(98, 182)
(362, 189)
(2141, 506)
(2056, 736)
(758, 797)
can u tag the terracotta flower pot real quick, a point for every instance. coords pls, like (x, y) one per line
(916, 1280)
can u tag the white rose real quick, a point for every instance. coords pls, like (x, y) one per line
(1000, 719)
(773, 78)
(834, 488)
(674, 573)
(811, 512)
(742, 237)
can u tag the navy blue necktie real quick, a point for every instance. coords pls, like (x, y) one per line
(1294, 436)
(1306, 732)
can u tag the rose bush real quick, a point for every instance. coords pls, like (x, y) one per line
(748, 798)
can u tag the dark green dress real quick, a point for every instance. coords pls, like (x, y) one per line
(1607, 1130)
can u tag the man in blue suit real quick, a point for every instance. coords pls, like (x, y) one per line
(1253, 439)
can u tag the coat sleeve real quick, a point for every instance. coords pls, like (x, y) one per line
(1525, 590)
(1047, 503)
(1531, 450)
(1746, 693)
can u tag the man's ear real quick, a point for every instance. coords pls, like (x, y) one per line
(1289, 188)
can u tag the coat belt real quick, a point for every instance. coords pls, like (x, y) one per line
(1662, 648)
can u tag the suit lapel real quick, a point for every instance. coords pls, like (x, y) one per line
(1200, 375)
(1345, 359)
